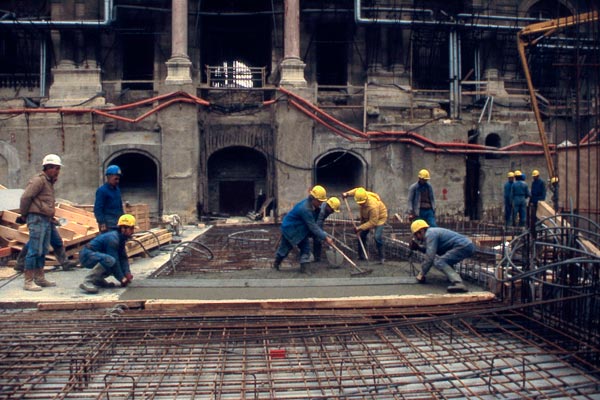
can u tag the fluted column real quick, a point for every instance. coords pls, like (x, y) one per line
(179, 65)
(292, 66)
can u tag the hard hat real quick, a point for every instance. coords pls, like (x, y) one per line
(518, 173)
(126, 220)
(535, 173)
(511, 175)
(417, 225)
(113, 170)
(554, 179)
(51, 159)
(424, 174)
(334, 203)
(360, 196)
(319, 193)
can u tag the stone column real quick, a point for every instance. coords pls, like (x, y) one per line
(179, 65)
(292, 67)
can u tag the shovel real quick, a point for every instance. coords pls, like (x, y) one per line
(362, 245)
(360, 271)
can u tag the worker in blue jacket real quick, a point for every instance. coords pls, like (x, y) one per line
(508, 207)
(327, 208)
(106, 255)
(443, 249)
(519, 195)
(108, 206)
(298, 224)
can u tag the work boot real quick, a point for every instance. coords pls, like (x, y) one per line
(421, 278)
(88, 288)
(381, 254)
(277, 263)
(96, 275)
(457, 287)
(30, 285)
(303, 267)
(20, 265)
(63, 260)
(40, 279)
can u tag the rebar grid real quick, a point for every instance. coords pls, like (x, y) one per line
(430, 352)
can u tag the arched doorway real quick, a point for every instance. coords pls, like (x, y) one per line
(339, 171)
(140, 180)
(237, 177)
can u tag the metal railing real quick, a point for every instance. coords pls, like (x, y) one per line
(236, 75)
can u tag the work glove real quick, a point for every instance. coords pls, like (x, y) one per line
(21, 220)
(356, 230)
(124, 282)
(102, 228)
(420, 278)
(129, 276)
(414, 245)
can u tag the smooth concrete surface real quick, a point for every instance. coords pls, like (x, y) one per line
(285, 284)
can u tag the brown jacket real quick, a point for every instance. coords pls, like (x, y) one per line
(38, 197)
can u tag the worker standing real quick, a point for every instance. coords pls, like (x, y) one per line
(373, 215)
(298, 224)
(106, 255)
(519, 195)
(37, 209)
(332, 205)
(508, 207)
(538, 188)
(421, 201)
(443, 249)
(108, 205)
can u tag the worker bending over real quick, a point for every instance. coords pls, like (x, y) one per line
(373, 215)
(298, 224)
(327, 208)
(106, 255)
(449, 247)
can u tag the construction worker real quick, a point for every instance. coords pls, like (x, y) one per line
(373, 215)
(443, 249)
(106, 255)
(508, 207)
(519, 195)
(37, 209)
(332, 205)
(421, 201)
(108, 206)
(538, 192)
(298, 224)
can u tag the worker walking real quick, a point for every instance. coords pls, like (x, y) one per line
(106, 255)
(421, 201)
(298, 224)
(508, 207)
(538, 191)
(519, 195)
(332, 205)
(108, 205)
(443, 249)
(373, 216)
(37, 209)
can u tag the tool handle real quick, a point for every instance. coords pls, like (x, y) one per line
(344, 255)
(362, 245)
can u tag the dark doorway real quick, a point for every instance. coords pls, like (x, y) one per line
(339, 171)
(139, 183)
(138, 61)
(332, 58)
(237, 197)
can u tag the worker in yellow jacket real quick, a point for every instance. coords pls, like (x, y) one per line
(373, 215)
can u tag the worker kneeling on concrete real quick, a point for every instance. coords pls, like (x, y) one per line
(106, 256)
(449, 247)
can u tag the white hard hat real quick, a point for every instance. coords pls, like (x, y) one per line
(51, 159)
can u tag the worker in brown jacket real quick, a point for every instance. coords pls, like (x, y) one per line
(37, 209)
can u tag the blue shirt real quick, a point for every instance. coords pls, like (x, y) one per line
(108, 206)
(414, 196)
(507, 191)
(300, 221)
(538, 191)
(439, 241)
(111, 243)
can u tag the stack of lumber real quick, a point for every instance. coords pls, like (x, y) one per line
(141, 212)
(146, 240)
(79, 227)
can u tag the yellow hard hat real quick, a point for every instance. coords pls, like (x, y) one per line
(319, 193)
(424, 174)
(360, 196)
(535, 173)
(126, 220)
(334, 203)
(554, 179)
(518, 173)
(511, 175)
(417, 225)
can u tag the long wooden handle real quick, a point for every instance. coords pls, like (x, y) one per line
(362, 245)
(344, 255)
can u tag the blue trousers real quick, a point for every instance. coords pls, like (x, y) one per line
(428, 216)
(285, 247)
(40, 230)
(520, 210)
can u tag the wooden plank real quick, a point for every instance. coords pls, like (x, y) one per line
(13, 234)
(83, 211)
(66, 234)
(89, 305)
(293, 304)
(10, 217)
(76, 217)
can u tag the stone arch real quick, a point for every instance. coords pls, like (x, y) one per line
(10, 166)
(237, 180)
(493, 140)
(339, 170)
(141, 181)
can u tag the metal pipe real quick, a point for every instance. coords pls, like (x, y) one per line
(108, 14)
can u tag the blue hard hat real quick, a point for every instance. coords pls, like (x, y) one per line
(113, 170)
